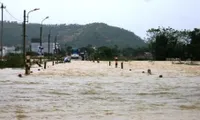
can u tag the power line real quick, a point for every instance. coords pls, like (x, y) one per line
(12, 15)
(33, 30)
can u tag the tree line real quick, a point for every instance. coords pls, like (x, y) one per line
(108, 53)
(170, 43)
(162, 43)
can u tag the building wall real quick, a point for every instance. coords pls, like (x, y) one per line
(7, 50)
(34, 47)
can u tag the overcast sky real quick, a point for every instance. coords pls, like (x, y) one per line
(134, 15)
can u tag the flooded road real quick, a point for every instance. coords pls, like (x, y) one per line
(83, 90)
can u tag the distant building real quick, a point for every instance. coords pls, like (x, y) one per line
(148, 55)
(35, 44)
(7, 50)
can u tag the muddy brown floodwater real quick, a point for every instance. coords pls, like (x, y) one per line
(83, 90)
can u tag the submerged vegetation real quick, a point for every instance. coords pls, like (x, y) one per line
(12, 61)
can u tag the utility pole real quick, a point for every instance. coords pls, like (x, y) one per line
(41, 35)
(55, 40)
(41, 43)
(49, 44)
(2, 7)
(24, 38)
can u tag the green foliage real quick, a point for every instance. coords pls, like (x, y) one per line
(12, 61)
(194, 46)
(169, 43)
(105, 53)
(99, 34)
(108, 53)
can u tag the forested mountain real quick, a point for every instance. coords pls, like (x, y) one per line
(95, 34)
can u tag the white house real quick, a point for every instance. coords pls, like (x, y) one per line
(7, 50)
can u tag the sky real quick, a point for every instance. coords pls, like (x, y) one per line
(134, 15)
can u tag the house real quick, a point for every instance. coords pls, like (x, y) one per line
(148, 55)
(7, 50)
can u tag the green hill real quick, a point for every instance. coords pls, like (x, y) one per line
(96, 34)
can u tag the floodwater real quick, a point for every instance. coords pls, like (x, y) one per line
(83, 90)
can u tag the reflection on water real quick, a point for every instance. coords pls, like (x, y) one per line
(87, 90)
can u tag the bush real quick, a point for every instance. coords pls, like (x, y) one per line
(2, 64)
(12, 61)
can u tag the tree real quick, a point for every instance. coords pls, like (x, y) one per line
(166, 43)
(194, 46)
